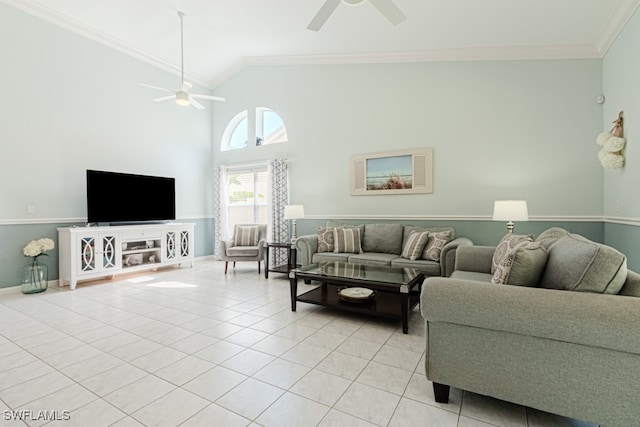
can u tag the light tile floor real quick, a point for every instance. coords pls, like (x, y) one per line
(193, 347)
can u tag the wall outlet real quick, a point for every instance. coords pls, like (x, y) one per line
(31, 210)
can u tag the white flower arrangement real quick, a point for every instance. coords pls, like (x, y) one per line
(35, 248)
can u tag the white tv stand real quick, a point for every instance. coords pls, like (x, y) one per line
(87, 253)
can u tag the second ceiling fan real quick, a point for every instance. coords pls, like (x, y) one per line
(386, 7)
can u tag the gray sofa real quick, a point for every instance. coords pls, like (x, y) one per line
(573, 352)
(382, 244)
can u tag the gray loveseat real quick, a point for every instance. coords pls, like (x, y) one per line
(570, 346)
(382, 244)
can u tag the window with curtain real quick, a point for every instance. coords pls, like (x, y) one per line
(247, 196)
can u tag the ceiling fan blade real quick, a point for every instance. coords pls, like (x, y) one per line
(389, 10)
(323, 14)
(196, 104)
(209, 97)
(164, 98)
(155, 87)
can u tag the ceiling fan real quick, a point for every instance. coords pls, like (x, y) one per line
(386, 7)
(183, 96)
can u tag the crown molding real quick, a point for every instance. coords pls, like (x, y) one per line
(497, 53)
(614, 24)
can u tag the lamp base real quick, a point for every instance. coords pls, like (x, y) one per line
(294, 231)
(510, 226)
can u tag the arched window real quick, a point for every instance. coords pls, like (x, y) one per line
(267, 126)
(236, 134)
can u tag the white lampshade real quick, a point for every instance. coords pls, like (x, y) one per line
(293, 212)
(510, 210)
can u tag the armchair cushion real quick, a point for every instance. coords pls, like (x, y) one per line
(243, 251)
(246, 235)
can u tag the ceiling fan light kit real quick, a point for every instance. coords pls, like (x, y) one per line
(182, 96)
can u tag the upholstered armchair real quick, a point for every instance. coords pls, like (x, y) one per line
(246, 244)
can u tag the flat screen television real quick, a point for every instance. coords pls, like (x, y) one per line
(114, 197)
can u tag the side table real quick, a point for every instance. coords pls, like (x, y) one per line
(291, 257)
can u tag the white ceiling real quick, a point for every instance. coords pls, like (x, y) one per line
(224, 36)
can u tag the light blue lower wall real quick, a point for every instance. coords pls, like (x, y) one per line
(626, 239)
(13, 238)
(485, 233)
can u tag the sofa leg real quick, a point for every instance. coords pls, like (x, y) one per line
(307, 281)
(258, 267)
(441, 392)
(226, 265)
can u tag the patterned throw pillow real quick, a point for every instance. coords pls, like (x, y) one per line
(435, 243)
(522, 265)
(508, 242)
(347, 240)
(414, 245)
(325, 239)
(245, 235)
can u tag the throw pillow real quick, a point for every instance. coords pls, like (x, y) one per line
(414, 245)
(578, 264)
(522, 265)
(347, 240)
(245, 235)
(325, 239)
(508, 242)
(435, 243)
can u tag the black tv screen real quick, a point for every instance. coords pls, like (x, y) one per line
(115, 197)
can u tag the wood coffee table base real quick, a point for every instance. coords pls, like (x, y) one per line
(389, 301)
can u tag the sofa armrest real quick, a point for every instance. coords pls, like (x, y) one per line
(589, 319)
(448, 255)
(306, 246)
(475, 258)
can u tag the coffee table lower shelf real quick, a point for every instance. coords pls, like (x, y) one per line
(383, 304)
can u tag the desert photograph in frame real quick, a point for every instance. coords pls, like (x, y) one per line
(393, 172)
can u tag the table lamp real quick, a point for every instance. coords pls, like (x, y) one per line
(293, 212)
(510, 210)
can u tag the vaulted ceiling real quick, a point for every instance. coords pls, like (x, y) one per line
(223, 36)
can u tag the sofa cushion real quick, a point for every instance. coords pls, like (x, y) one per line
(471, 275)
(550, 235)
(578, 264)
(372, 258)
(382, 238)
(245, 235)
(326, 242)
(508, 242)
(429, 268)
(347, 240)
(435, 243)
(522, 265)
(329, 257)
(414, 245)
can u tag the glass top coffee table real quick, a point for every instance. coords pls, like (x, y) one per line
(378, 291)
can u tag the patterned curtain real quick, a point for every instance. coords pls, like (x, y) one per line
(279, 198)
(220, 207)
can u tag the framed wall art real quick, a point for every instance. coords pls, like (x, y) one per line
(392, 172)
